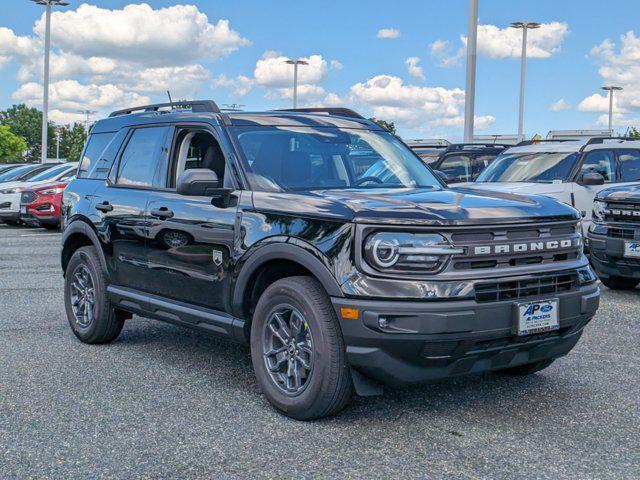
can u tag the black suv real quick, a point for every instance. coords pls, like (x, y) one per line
(614, 236)
(462, 162)
(324, 242)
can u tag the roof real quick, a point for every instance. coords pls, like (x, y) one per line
(267, 118)
(548, 147)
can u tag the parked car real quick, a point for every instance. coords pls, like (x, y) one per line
(572, 172)
(463, 162)
(40, 205)
(23, 172)
(5, 167)
(10, 192)
(614, 237)
(338, 276)
(428, 150)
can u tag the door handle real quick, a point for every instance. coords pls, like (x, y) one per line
(162, 213)
(104, 207)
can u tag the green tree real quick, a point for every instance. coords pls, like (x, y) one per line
(11, 146)
(391, 126)
(633, 132)
(72, 139)
(26, 122)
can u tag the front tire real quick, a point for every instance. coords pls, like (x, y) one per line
(91, 316)
(298, 352)
(619, 283)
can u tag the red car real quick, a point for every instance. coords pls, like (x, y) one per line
(40, 206)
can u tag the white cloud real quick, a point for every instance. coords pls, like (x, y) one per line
(414, 106)
(413, 68)
(495, 42)
(273, 71)
(559, 106)
(619, 65)
(120, 55)
(388, 33)
(336, 65)
(240, 85)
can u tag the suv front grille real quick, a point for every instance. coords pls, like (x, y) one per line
(28, 197)
(623, 213)
(530, 287)
(519, 240)
(625, 233)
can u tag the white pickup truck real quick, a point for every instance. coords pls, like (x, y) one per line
(573, 172)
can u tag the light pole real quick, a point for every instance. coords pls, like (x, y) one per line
(47, 46)
(295, 64)
(88, 113)
(523, 68)
(611, 89)
(470, 86)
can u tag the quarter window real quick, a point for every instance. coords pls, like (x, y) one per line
(93, 153)
(629, 165)
(141, 161)
(602, 162)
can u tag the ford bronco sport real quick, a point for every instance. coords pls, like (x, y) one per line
(322, 241)
(614, 237)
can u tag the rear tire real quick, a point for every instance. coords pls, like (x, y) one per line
(527, 368)
(619, 283)
(91, 316)
(322, 386)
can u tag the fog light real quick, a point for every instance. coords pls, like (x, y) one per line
(382, 322)
(586, 276)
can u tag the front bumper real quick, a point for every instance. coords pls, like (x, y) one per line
(428, 341)
(10, 206)
(607, 257)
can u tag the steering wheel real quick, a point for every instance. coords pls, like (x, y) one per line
(362, 180)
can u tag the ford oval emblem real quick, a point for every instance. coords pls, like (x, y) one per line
(546, 308)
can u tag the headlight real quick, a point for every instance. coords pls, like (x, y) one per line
(51, 191)
(599, 210)
(402, 252)
(12, 190)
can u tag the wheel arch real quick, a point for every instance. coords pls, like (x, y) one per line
(76, 235)
(291, 260)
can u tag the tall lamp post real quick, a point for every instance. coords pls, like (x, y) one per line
(611, 89)
(295, 64)
(88, 114)
(47, 46)
(525, 26)
(470, 85)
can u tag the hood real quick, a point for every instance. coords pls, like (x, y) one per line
(450, 206)
(27, 184)
(621, 193)
(522, 188)
(45, 184)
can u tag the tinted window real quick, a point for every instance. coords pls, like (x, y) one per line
(602, 162)
(92, 156)
(308, 158)
(629, 165)
(14, 173)
(540, 167)
(50, 173)
(458, 166)
(141, 158)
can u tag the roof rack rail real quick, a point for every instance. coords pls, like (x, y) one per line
(208, 106)
(600, 140)
(427, 142)
(544, 140)
(461, 146)
(338, 111)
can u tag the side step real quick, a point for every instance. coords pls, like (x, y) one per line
(178, 313)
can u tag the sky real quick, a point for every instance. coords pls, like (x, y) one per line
(398, 61)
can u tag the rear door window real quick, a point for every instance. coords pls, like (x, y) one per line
(142, 157)
(629, 165)
(602, 162)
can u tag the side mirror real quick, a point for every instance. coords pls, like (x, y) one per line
(445, 177)
(591, 178)
(198, 182)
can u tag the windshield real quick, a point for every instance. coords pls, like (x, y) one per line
(311, 158)
(537, 167)
(50, 173)
(14, 173)
(428, 156)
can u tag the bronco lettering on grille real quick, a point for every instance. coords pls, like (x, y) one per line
(541, 246)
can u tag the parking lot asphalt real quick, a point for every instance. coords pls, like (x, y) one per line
(166, 402)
